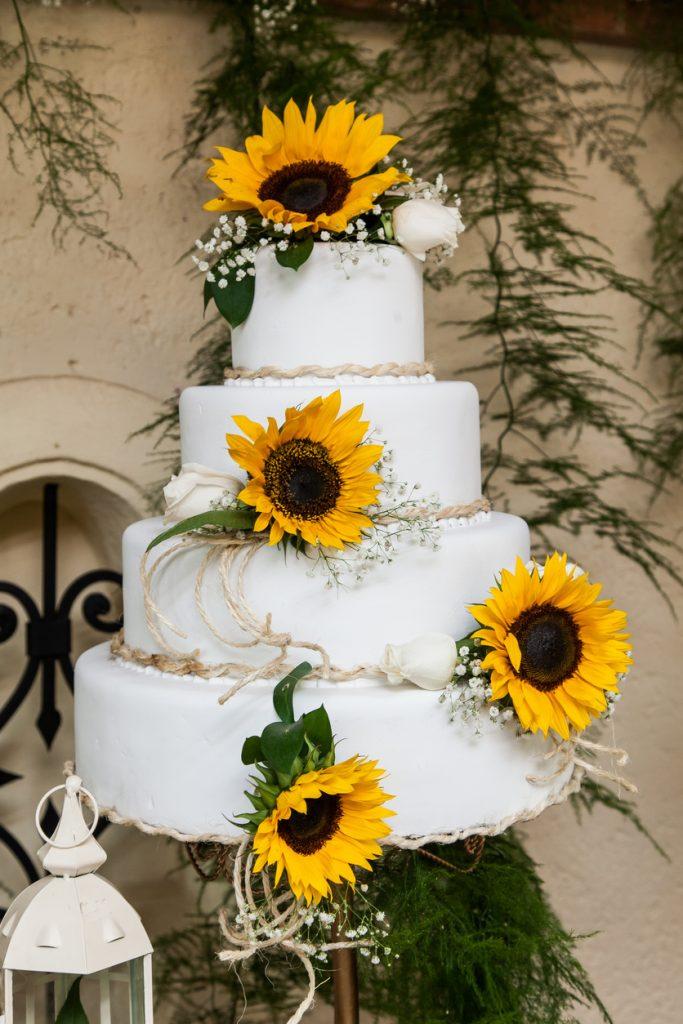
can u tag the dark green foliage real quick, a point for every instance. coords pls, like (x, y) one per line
(658, 72)
(480, 948)
(285, 749)
(504, 127)
(304, 55)
(234, 302)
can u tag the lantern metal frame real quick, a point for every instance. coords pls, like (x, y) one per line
(73, 923)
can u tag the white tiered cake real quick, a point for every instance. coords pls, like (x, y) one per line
(157, 748)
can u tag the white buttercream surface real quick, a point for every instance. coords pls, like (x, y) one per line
(328, 315)
(432, 430)
(160, 749)
(420, 591)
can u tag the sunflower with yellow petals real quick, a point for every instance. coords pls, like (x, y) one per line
(310, 477)
(328, 822)
(307, 174)
(555, 647)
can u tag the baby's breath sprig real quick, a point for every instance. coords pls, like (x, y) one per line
(467, 696)
(402, 515)
(363, 924)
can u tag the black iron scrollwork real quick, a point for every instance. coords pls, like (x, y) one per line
(48, 645)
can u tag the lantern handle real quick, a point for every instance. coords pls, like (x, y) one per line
(70, 788)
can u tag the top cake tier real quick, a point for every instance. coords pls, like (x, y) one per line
(332, 312)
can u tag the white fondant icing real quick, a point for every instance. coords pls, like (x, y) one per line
(420, 591)
(326, 315)
(432, 430)
(164, 752)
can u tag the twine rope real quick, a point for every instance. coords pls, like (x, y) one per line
(232, 553)
(567, 749)
(275, 921)
(414, 369)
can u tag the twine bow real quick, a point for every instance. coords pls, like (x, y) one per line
(568, 756)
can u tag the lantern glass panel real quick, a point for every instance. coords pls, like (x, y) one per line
(114, 996)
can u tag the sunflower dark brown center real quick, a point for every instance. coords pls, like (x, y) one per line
(308, 186)
(306, 832)
(551, 648)
(301, 479)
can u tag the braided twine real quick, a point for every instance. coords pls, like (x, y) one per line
(232, 554)
(329, 372)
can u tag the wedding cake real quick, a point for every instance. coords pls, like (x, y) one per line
(368, 545)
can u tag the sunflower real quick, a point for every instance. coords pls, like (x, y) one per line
(327, 821)
(556, 648)
(310, 477)
(295, 173)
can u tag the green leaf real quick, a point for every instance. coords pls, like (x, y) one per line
(208, 293)
(388, 225)
(251, 750)
(318, 729)
(281, 743)
(226, 518)
(72, 1011)
(236, 299)
(296, 254)
(283, 694)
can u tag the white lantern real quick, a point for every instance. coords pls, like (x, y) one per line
(72, 949)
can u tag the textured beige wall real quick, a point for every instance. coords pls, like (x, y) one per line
(89, 345)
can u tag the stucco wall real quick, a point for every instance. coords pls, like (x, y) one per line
(90, 344)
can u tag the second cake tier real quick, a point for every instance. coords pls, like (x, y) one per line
(430, 428)
(421, 590)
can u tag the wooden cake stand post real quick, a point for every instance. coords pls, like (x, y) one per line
(344, 978)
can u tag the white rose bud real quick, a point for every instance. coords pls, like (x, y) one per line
(427, 661)
(573, 570)
(194, 488)
(422, 224)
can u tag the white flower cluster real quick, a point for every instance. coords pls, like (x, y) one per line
(360, 240)
(365, 925)
(401, 516)
(278, 16)
(224, 251)
(466, 697)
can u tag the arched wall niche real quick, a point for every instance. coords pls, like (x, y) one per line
(78, 427)
(74, 432)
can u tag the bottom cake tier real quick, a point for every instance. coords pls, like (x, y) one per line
(159, 751)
